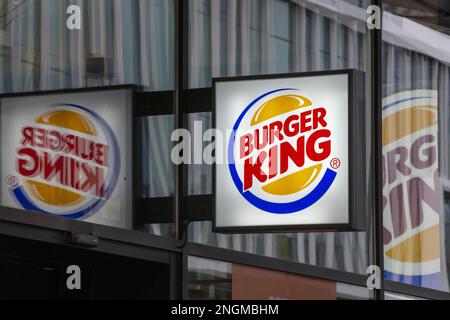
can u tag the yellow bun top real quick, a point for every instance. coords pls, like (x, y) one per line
(408, 121)
(278, 106)
(67, 120)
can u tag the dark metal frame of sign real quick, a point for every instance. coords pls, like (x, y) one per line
(133, 90)
(357, 157)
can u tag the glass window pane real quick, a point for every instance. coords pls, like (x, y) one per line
(341, 251)
(208, 279)
(273, 36)
(156, 178)
(121, 42)
(351, 292)
(156, 171)
(199, 173)
(415, 144)
(231, 38)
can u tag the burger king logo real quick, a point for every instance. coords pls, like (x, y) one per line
(412, 190)
(67, 163)
(280, 154)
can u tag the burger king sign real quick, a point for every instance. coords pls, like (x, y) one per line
(66, 155)
(294, 157)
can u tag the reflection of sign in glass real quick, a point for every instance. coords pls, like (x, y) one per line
(289, 161)
(60, 155)
(412, 189)
(68, 162)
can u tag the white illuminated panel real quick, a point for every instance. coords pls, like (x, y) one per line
(289, 158)
(68, 155)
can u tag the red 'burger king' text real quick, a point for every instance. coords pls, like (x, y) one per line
(267, 154)
(67, 159)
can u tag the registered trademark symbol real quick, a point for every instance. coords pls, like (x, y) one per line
(335, 163)
(12, 181)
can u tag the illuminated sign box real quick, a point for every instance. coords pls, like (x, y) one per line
(294, 157)
(68, 154)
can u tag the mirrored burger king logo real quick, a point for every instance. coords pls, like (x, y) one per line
(281, 152)
(67, 163)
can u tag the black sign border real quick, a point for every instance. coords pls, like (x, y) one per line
(133, 89)
(358, 195)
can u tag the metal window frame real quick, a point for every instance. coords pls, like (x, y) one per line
(307, 270)
(376, 41)
(38, 227)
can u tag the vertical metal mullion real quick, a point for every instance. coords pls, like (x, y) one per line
(377, 121)
(177, 278)
(184, 279)
(180, 84)
(181, 67)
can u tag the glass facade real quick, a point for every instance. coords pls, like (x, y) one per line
(121, 42)
(416, 80)
(238, 38)
(134, 42)
(231, 38)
